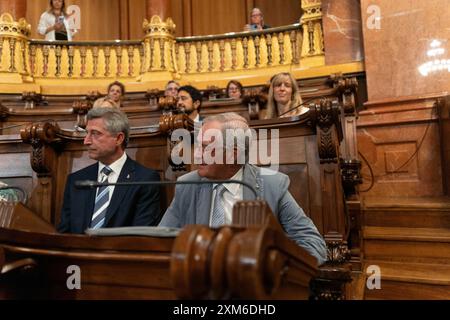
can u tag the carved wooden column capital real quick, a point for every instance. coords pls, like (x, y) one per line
(91, 96)
(152, 96)
(346, 89)
(256, 100)
(31, 99)
(167, 124)
(326, 117)
(42, 138)
(81, 108)
(3, 112)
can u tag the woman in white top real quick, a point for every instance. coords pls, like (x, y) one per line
(54, 23)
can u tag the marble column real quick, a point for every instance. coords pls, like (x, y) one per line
(161, 8)
(17, 8)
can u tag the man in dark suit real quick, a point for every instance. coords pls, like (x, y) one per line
(113, 206)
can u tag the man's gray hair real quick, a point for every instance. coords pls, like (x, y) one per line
(233, 123)
(115, 121)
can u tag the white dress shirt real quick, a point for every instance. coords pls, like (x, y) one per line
(232, 194)
(47, 20)
(116, 168)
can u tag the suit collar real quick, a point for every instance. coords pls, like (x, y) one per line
(126, 174)
(89, 195)
(252, 176)
(204, 198)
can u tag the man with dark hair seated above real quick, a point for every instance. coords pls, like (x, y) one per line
(190, 102)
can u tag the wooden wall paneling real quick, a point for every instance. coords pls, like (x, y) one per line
(388, 149)
(178, 16)
(186, 12)
(34, 10)
(249, 5)
(124, 19)
(215, 17)
(280, 12)
(444, 128)
(137, 14)
(314, 182)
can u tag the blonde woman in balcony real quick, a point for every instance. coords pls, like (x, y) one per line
(55, 24)
(284, 97)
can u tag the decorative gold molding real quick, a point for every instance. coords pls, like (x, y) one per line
(157, 28)
(14, 29)
(312, 28)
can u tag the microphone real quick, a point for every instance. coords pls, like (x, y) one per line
(296, 107)
(89, 184)
(22, 191)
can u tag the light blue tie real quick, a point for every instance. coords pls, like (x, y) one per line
(218, 214)
(101, 201)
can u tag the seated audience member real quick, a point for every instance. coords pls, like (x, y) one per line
(190, 102)
(212, 205)
(55, 24)
(234, 89)
(284, 97)
(256, 21)
(116, 90)
(172, 89)
(113, 206)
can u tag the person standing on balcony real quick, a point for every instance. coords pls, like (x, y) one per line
(256, 21)
(55, 24)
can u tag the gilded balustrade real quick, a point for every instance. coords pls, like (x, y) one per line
(159, 55)
(62, 59)
(240, 51)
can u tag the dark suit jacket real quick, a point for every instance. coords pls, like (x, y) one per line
(129, 205)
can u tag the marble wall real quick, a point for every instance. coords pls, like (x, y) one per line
(342, 31)
(401, 36)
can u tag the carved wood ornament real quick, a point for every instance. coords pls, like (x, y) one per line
(41, 137)
(325, 116)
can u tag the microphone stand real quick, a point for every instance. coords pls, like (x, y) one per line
(89, 184)
(296, 107)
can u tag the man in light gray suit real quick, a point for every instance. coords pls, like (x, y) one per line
(212, 204)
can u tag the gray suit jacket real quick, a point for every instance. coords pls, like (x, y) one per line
(192, 205)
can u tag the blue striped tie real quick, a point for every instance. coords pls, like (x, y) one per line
(101, 202)
(218, 214)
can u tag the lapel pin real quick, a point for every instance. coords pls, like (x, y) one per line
(128, 176)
